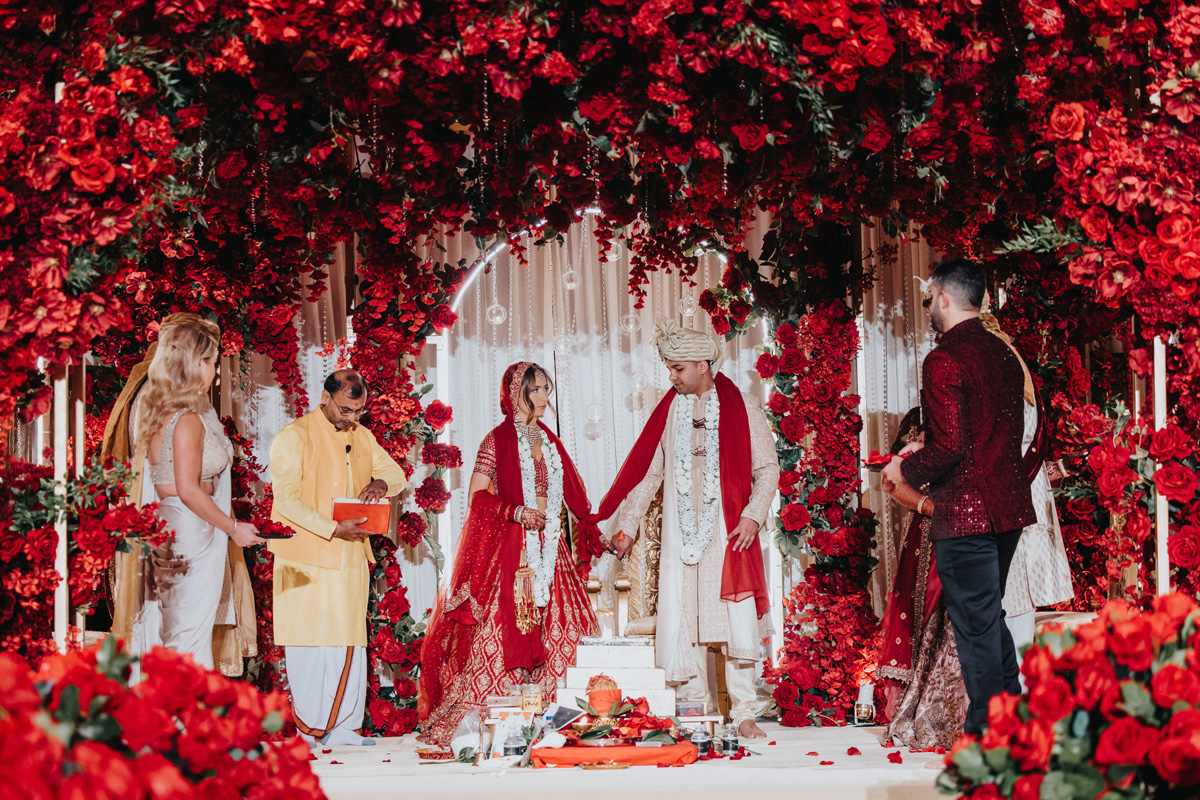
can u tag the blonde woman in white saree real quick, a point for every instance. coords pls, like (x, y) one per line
(181, 448)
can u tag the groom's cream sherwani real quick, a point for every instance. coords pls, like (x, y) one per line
(691, 613)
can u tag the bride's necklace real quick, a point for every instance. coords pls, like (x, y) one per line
(541, 551)
(697, 537)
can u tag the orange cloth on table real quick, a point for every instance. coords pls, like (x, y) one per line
(671, 755)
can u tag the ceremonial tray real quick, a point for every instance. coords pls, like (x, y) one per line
(605, 741)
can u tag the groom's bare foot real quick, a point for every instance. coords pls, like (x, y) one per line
(749, 730)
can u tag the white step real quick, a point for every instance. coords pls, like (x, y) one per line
(599, 656)
(627, 680)
(662, 701)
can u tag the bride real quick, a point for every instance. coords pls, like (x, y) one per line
(516, 605)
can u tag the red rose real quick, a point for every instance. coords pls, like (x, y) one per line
(1096, 684)
(1028, 787)
(11, 544)
(94, 176)
(877, 137)
(17, 693)
(109, 770)
(792, 360)
(792, 428)
(786, 335)
(40, 544)
(438, 415)
(1051, 699)
(231, 166)
(1032, 744)
(1172, 684)
(1130, 643)
(787, 481)
(1066, 122)
(752, 136)
(1095, 223)
(1177, 760)
(767, 365)
(1174, 230)
(442, 317)
(1183, 546)
(143, 724)
(777, 403)
(1176, 482)
(1126, 741)
(739, 310)
(795, 517)
(161, 778)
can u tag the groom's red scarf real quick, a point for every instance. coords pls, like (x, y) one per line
(742, 576)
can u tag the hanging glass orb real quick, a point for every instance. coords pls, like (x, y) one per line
(563, 344)
(595, 412)
(637, 380)
(631, 323)
(571, 279)
(592, 431)
(687, 305)
(496, 314)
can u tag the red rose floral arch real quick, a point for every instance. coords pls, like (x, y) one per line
(159, 155)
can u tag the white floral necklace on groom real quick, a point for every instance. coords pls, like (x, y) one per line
(696, 538)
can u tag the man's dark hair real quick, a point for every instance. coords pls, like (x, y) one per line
(350, 382)
(962, 279)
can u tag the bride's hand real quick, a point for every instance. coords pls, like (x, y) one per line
(532, 519)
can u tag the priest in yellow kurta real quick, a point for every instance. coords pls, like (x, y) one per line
(322, 574)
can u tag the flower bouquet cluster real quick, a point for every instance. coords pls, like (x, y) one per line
(393, 648)
(100, 519)
(75, 728)
(624, 718)
(1111, 710)
(829, 625)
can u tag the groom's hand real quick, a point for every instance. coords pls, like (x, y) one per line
(745, 534)
(621, 545)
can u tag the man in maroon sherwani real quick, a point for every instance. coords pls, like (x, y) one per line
(972, 404)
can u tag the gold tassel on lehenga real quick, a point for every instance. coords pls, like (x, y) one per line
(523, 595)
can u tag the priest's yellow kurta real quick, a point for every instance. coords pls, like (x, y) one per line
(321, 583)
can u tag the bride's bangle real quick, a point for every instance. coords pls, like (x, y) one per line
(518, 514)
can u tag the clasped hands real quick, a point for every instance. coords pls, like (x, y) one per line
(743, 537)
(891, 474)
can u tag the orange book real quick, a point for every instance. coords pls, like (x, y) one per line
(378, 513)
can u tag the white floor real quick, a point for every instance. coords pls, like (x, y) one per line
(391, 769)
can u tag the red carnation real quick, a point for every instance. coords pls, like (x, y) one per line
(411, 527)
(432, 496)
(438, 415)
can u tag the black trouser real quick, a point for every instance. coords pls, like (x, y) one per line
(974, 571)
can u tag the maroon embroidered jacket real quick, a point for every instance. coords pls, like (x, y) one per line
(972, 405)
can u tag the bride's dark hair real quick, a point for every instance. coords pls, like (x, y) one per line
(910, 427)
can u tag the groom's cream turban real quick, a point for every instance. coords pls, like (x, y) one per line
(680, 344)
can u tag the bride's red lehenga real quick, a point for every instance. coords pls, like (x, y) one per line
(473, 648)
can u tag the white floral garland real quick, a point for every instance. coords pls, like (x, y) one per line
(541, 552)
(696, 538)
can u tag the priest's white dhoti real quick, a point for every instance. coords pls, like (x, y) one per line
(329, 692)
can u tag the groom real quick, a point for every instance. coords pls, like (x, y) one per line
(716, 494)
